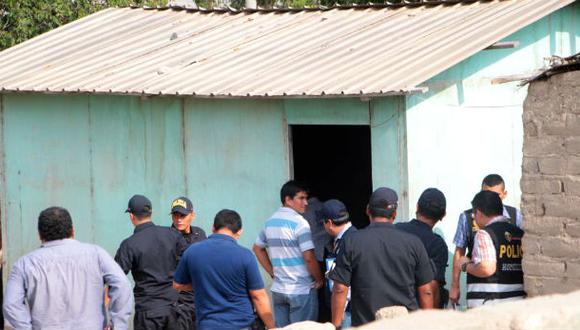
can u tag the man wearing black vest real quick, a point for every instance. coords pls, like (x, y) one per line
(494, 271)
(467, 227)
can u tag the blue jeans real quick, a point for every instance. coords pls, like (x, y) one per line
(346, 320)
(292, 308)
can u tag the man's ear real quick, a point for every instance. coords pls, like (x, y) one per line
(238, 234)
(368, 211)
(504, 195)
(213, 229)
(194, 215)
(72, 233)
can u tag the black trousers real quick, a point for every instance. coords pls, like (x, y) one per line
(184, 316)
(175, 317)
(156, 319)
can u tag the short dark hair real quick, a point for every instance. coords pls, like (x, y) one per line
(488, 203)
(227, 219)
(381, 212)
(493, 180)
(290, 189)
(432, 204)
(54, 223)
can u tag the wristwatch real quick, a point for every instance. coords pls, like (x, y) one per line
(464, 266)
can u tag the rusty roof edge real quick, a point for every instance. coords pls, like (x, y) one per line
(408, 91)
(557, 66)
(368, 5)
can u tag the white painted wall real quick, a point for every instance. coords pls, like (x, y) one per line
(468, 126)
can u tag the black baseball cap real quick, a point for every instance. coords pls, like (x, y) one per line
(181, 205)
(139, 205)
(334, 210)
(383, 202)
(432, 203)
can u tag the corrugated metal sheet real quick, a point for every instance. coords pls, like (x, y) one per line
(325, 52)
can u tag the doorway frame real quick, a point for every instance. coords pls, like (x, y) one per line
(386, 117)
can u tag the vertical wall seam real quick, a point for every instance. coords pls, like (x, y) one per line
(91, 169)
(403, 153)
(371, 119)
(287, 138)
(184, 145)
(3, 202)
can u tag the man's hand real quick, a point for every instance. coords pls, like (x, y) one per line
(463, 260)
(318, 284)
(313, 268)
(455, 292)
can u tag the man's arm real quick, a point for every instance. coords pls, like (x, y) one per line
(460, 241)
(483, 261)
(182, 287)
(313, 268)
(262, 305)
(455, 292)
(436, 294)
(339, 295)
(118, 290)
(16, 309)
(123, 258)
(426, 296)
(482, 269)
(263, 259)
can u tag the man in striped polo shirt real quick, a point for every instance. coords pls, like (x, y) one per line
(285, 250)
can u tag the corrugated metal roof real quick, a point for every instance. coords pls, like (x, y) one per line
(369, 50)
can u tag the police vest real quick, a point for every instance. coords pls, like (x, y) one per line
(507, 283)
(473, 227)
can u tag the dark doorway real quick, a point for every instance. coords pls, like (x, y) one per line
(335, 162)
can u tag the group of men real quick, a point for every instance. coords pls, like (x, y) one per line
(387, 264)
(185, 280)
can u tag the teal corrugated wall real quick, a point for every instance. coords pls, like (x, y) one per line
(90, 154)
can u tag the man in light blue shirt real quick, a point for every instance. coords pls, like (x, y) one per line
(466, 229)
(62, 284)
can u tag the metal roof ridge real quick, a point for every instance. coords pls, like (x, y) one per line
(368, 5)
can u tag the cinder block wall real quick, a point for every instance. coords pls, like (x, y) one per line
(551, 185)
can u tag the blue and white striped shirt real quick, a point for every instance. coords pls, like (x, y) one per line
(287, 235)
(463, 230)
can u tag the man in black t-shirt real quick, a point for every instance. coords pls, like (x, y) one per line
(383, 266)
(430, 210)
(151, 255)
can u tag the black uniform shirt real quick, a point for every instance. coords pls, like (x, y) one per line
(195, 235)
(151, 254)
(434, 245)
(383, 267)
(436, 250)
